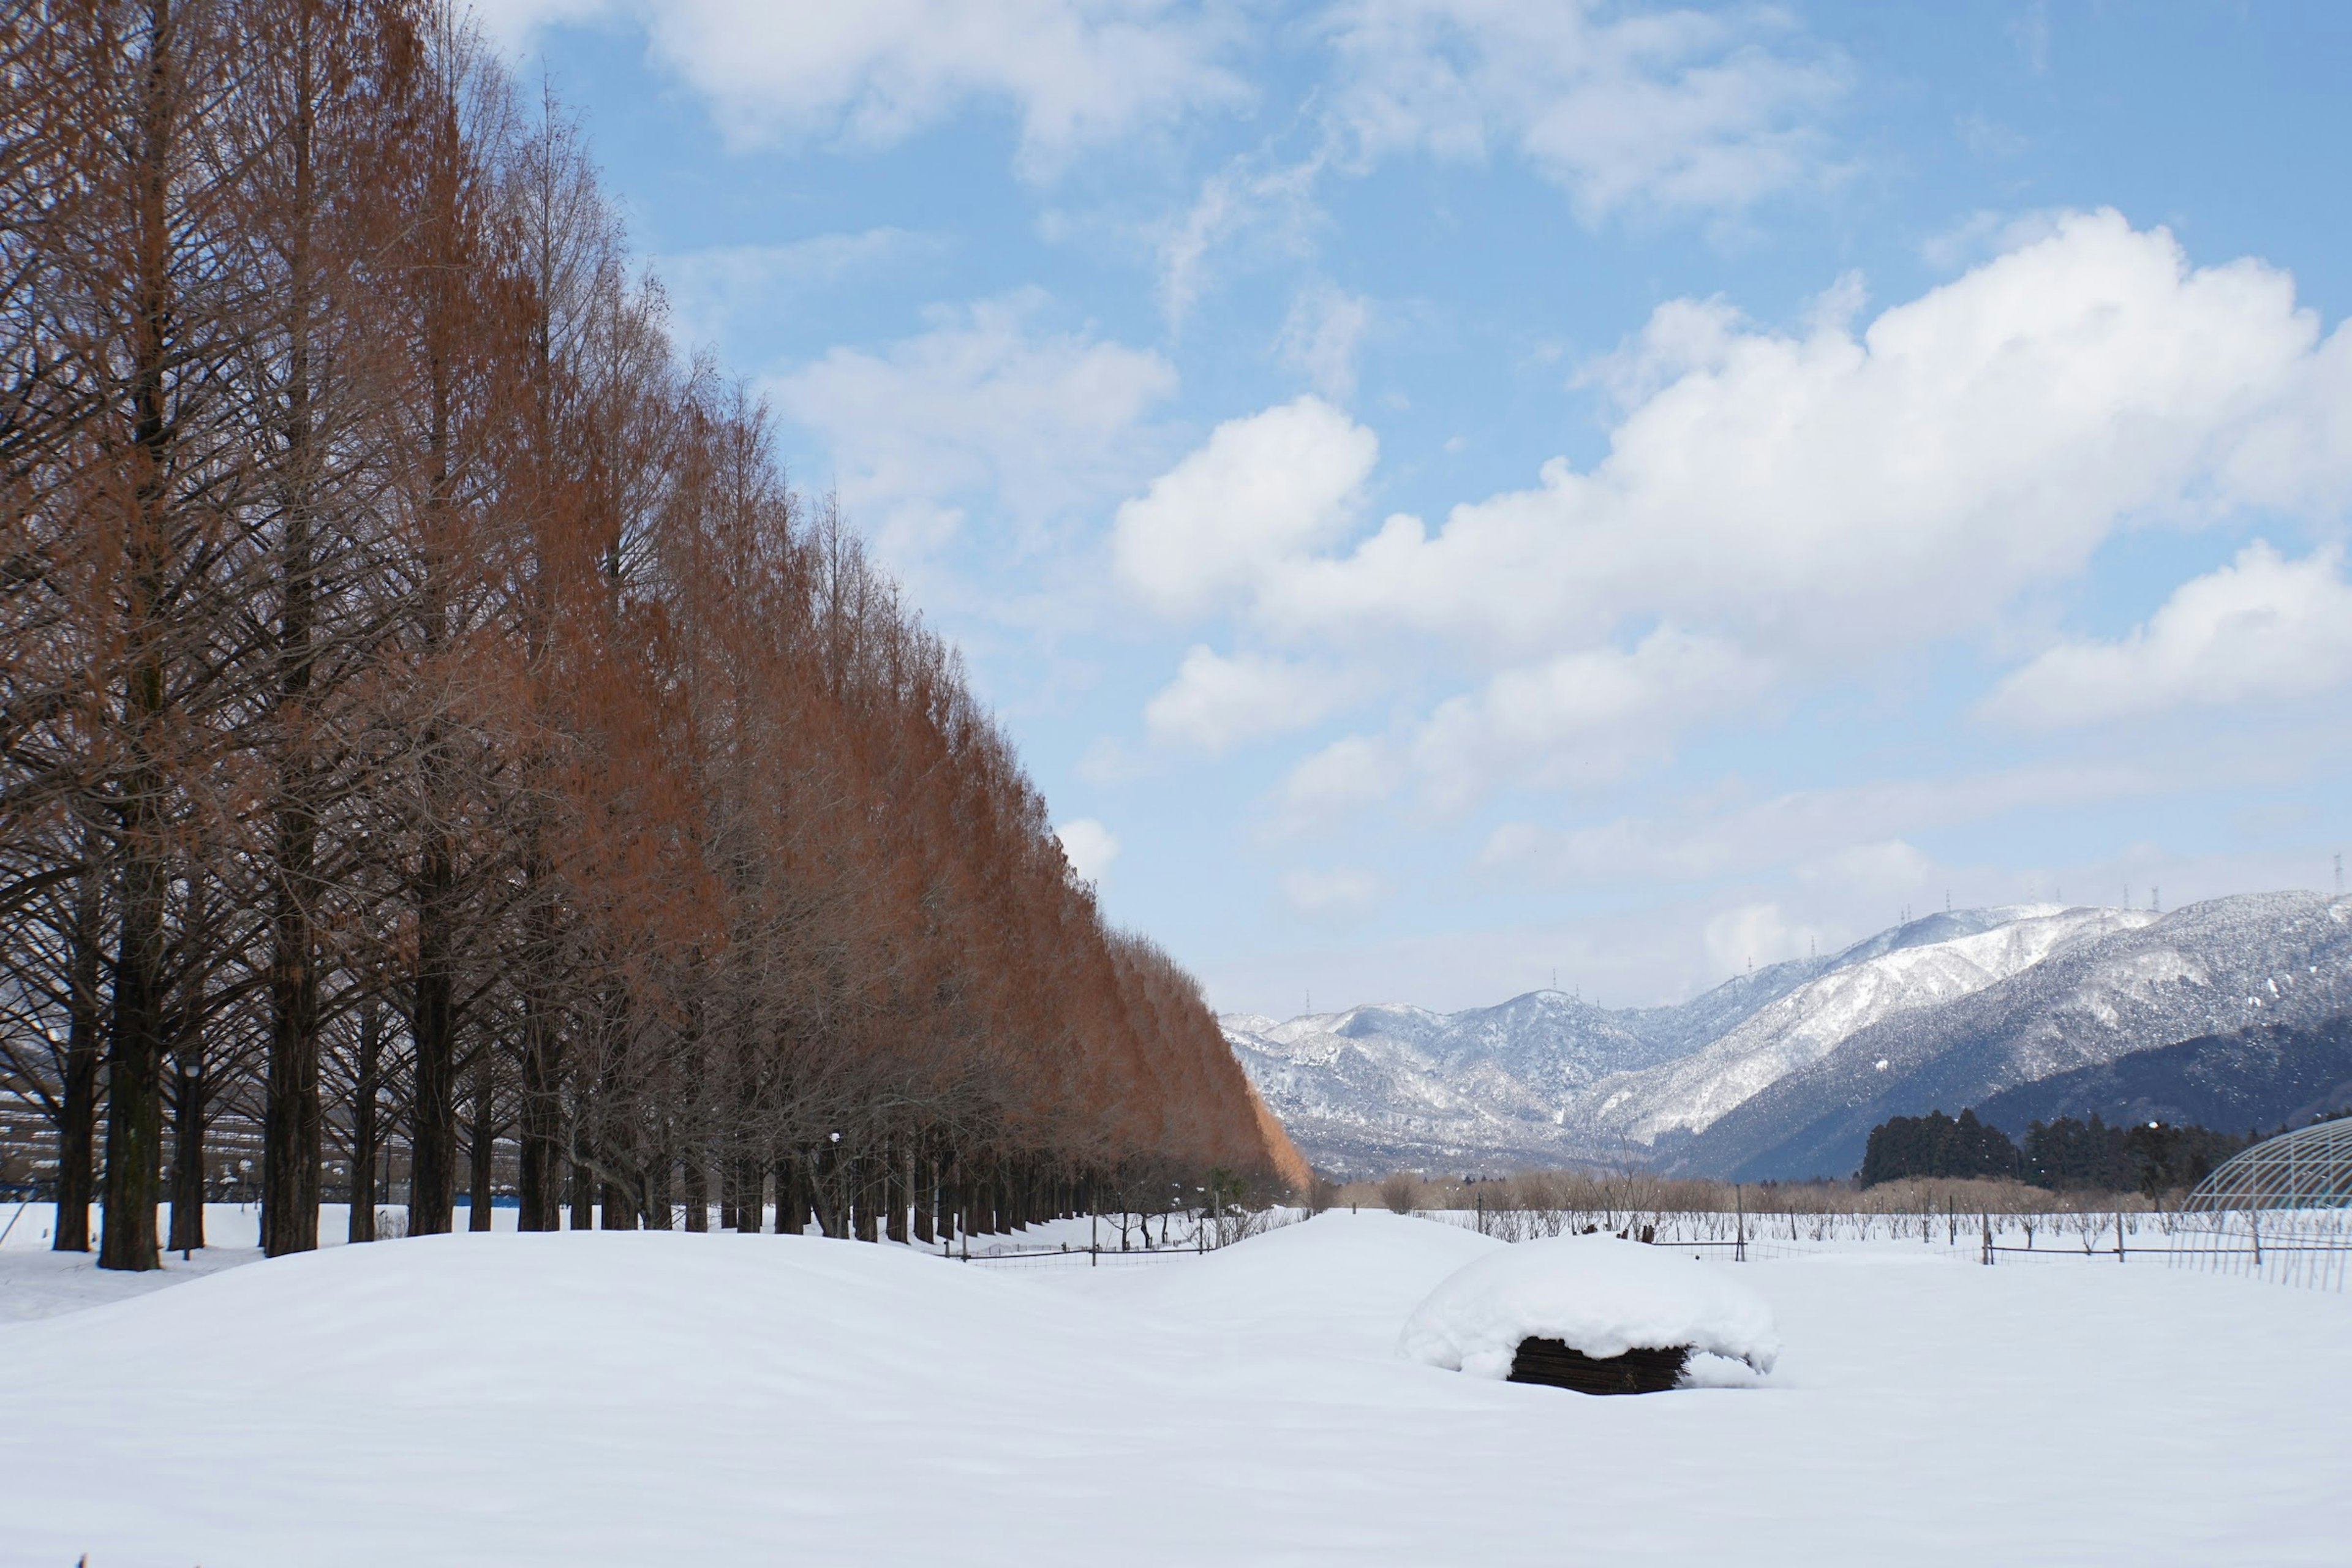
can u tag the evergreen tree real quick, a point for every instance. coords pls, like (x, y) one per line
(1936, 1145)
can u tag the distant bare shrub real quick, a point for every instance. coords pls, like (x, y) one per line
(1322, 1191)
(1401, 1191)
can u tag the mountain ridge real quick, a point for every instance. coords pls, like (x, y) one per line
(1781, 1073)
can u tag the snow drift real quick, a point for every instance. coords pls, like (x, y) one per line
(612, 1399)
(1594, 1293)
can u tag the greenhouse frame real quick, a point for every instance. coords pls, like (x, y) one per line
(2309, 1168)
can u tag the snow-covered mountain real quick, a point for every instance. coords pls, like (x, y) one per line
(1377, 1087)
(1782, 1073)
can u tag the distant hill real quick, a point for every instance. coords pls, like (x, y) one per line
(1783, 1073)
(2262, 1077)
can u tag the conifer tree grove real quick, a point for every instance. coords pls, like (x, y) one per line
(439, 753)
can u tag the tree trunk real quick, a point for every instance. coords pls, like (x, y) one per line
(78, 1119)
(826, 1188)
(482, 1144)
(866, 1181)
(897, 1183)
(792, 1195)
(188, 1152)
(432, 1139)
(921, 1177)
(659, 1173)
(290, 1151)
(584, 1198)
(540, 1178)
(620, 1206)
(750, 1202)
(360, 1225)
(134, 1099)
(697, 1192)
(134, 1093)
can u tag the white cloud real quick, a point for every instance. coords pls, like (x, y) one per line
(1673, 109)
(1074, 72)
(1355, 771)
(513, 23)
(1043, 422)
(1829, 834)
(1581, 716)
(1251, 201)
(2298, 456)
(711, 288)
(1753, 935)
(1888, 865)
(1326, 895)
(1089, 847)
(1682, 337)
(1216, 703)
(1776, 509)
(1989, 138)
(1320, 335)
(1835, 494)
(1261, 489)
(2261, 629)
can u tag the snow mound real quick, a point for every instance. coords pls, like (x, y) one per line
(1600, 1295)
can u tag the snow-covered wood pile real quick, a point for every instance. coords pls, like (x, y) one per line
(1596, 1298)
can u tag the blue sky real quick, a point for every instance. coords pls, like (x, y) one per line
(1449, 492)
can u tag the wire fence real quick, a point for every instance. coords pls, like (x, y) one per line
(2311, 1249)
(1195, 1235)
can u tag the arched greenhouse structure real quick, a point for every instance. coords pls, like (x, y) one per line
(2310, 1168)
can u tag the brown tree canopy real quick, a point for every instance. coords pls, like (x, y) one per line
(433, 726)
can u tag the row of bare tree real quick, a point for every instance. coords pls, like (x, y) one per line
(427, 716)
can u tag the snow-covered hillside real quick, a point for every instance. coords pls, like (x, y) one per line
(2272, 958)
(1375, 1086)
(1956, 1005)
(1799, 1028)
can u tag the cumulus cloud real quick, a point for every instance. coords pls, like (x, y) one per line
(2261, 629)
(1215, 703)
(1043, 421)
(1263, 490)
(1673, 109)
(1088, 847)
(1832, 494)
(1778, 508)
(1074, 72)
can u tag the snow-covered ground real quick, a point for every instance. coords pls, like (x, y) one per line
(589, 1398)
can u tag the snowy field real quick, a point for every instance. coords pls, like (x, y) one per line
(636, 1398)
